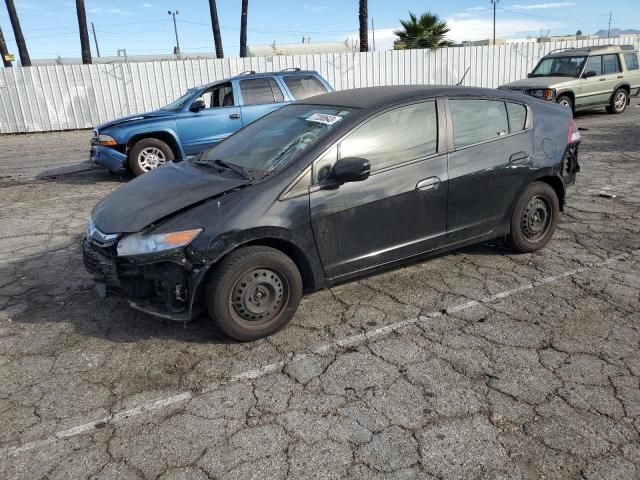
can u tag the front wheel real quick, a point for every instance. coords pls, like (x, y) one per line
(534, 218)
(619, 101)
(148, 154)
(565, 101)
(253, 293)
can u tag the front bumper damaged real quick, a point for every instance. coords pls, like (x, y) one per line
(164, 285)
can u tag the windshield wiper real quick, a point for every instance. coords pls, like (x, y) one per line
(225, 165)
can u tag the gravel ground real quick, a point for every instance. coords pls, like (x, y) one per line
(476, 364)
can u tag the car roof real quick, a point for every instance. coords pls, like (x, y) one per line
(593, 50)
(253, 74)
(372, 97)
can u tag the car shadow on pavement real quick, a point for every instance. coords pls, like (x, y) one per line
(88, 176)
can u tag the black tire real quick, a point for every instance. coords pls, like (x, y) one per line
(619, 101)
(232, 292)
(566, 101)
(534, 218)
(154, 149)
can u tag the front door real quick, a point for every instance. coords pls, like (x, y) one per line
(205, 128)
(400, 210)
(493, 148)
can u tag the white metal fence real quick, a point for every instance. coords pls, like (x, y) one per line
(47, 98)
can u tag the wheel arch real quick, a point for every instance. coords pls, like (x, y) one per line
(570, 94)
(558, 186)
(625, 86)
(168, 137)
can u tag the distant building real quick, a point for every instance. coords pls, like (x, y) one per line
(306, 47)
(483, 43)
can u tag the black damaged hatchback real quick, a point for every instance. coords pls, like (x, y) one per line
(335, 187)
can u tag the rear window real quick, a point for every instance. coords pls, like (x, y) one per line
(631, 61)
(304, 86)
(476, 121)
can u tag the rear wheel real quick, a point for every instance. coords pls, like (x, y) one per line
(534, 218)
(253, 293)
(148, 154)
(619, 101)
(565, 101)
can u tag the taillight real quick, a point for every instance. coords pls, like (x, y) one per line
(574, 134)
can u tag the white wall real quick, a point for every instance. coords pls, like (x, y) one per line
(47, 98)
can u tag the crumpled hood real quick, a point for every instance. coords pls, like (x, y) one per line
(540, 82)
(154, 195)
(133, 118)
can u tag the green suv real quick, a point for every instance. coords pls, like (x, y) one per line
(579, 78)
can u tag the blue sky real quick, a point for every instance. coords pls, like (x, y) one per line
(144, 27)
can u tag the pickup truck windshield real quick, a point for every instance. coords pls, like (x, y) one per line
(178, 105)
(559, 67)
(275, 141)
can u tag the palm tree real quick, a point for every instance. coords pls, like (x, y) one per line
(363, 17)
(3, 51)
(215, 25)
(243, 28)
(84, 33)
(25, 61)
(428, 31)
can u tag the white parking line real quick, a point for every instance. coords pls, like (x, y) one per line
(162, 402)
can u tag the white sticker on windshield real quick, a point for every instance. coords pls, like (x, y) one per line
(324, 118)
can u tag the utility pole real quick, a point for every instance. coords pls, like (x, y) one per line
(363, 17)
(175, 29)
(95, 39)
(25, 61)
(4, 52)
(84, 34)
(494, 2)
(215, 25)
(243, 28)
(609, 31)
(373, 35)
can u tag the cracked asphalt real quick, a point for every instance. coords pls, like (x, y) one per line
(476, 364)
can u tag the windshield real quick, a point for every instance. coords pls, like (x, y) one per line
(559, 67)
(275, 141)
(179, 104)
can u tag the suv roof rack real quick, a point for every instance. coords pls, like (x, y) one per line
(247, 72)
(592, 48)
(291, 69)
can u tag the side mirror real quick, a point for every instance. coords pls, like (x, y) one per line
(351, 169)
(197, 106)
(589, 74)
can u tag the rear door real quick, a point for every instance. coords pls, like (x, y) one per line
(489, 162)
(205, 128)
(632, 71)
(400, 210)
(259, 96)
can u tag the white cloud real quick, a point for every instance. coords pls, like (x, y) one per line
(110, 11)
(147, 5)
(543, 6)
(480, 29)
(314, 8)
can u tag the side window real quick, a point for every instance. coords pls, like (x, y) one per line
(277, 92)
(256, 91)
(301, 187)
(517, 117)
(206, 98)
(594, 64)
(610, 64)
(322, 166)
(304, 86)
(394, 137)
(475, 121)
(220, 96)
(631, 61)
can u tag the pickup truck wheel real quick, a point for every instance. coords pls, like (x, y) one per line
(253, 293)
(534, 218)
(148, 154)
(619, 101)
(565, 101)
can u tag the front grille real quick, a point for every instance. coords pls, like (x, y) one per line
(100, 264)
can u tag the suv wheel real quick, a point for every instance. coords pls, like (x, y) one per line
(619, 101)
(254, 292)
(148, 154)
(565, 101)
(534, 218)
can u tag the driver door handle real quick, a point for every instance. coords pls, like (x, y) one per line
(234, 116)
(431, 183)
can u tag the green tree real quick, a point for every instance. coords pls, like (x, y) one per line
(428, 31)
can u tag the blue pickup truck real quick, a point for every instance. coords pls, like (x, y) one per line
(198, 120)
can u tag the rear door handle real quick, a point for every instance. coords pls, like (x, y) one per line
(602, 80)
(234, 116)
(620, 76)
(520, 158)
(431, 183)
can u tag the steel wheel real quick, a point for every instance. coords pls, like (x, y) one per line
(259, 297)
(150, 158)
(536, 219)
